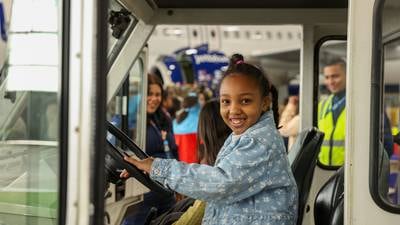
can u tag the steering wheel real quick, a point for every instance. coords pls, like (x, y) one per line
(114, 162)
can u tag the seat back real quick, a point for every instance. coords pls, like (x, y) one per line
(303, 158)
(329, 202)
(328, 207)
(338, 213)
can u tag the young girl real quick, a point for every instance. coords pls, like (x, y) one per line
(251, 181)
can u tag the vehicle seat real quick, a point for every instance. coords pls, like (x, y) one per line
(329, 202)
(303, 159)
(328, 207)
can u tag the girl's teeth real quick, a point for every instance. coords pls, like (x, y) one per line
(236, 121)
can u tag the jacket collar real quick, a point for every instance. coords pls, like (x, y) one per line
(266, 119)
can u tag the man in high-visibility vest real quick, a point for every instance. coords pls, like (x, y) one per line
(332, 115)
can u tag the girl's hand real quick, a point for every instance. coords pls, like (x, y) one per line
(144, 165)
(124, 174)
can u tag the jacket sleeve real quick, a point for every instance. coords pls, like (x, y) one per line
(247, 170)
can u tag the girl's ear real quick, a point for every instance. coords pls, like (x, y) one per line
(266, 103)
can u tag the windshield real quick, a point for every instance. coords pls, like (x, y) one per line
(29, 114)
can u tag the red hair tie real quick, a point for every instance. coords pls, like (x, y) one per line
(239, 62)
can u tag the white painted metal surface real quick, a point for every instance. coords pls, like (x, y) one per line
(306, 77)
(360, 209)
(82, 67)
(134, 44)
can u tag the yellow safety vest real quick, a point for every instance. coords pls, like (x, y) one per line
(332, 149)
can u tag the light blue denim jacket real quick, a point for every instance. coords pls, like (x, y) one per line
(251, 182)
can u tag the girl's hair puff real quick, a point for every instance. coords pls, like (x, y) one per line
(237, 65)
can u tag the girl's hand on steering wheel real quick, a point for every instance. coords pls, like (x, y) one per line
(144, 165)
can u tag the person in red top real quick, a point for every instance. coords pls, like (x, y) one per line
(185, 129)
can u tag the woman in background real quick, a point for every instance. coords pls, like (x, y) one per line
(160, 142)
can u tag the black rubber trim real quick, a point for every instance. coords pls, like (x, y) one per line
(376, 100)
(317, 48)
(99, 139)
(291, 4)
(63, 99)
(325, 167)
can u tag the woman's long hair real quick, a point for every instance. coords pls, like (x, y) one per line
(212, 132)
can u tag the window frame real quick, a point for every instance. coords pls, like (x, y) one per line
(317, 49)
(98, 175)
(378, 43)
(63, 98)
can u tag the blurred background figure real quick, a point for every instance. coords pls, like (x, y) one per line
(160, 142)
(185, 128)
(167, 102)
(332, 114)
(204, 94)
(289, 121)
(176, 106)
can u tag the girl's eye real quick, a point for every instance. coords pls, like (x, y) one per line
(246, 101)
(224, 101)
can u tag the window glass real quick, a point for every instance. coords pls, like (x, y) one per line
(125, 109)
(29, 115)
(127, 113)
(269, 35)
(386, 119)
(236, 34)
(226, 34)
(135, 112)
(331, 115)
(389, 119)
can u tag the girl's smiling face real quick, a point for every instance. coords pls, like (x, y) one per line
(241, 102)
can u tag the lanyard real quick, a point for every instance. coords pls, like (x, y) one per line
(159, 131)
(340, 103)
(163, 135)
(334, 106)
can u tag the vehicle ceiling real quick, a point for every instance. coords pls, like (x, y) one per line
(251, 3)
